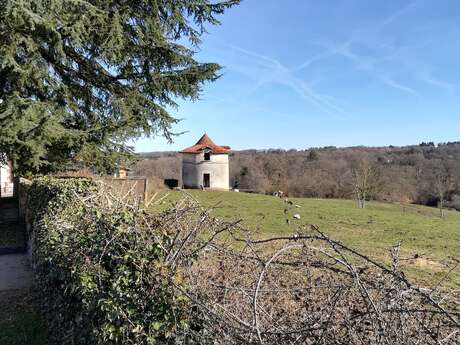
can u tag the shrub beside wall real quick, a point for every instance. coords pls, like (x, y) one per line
(100, 269)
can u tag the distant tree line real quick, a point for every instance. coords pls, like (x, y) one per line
(426, 174)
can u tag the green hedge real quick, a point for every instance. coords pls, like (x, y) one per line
(101, 271)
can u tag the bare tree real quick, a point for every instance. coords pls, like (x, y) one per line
(442, 184)
(366, 180)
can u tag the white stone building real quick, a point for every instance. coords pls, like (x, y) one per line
(6, 179)
(205, 165)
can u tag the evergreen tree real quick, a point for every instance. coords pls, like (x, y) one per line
(78, 78)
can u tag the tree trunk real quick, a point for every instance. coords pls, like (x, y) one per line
(358, 199)
(363, 201)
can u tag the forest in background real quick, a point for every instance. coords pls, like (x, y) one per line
(427, 173)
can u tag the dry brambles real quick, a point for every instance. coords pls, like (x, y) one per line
(303, 289)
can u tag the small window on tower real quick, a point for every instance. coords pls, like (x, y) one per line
(207, 156)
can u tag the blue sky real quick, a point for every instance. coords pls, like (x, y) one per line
(304, 73)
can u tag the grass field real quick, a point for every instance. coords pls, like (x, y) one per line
(422, 233)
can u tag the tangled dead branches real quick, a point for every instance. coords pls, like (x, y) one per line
(301, 289)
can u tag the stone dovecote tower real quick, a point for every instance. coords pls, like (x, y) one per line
(205, 165)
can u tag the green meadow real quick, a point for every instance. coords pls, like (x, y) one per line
(430, 245)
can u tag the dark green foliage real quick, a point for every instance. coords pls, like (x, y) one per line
(79, 78)
(101, 270)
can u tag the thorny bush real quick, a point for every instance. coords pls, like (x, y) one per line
(112, 273)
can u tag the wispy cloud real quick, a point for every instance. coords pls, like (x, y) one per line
(430, 79)
(271, 70)
(398, 86)
(397, 14)
(369, 65)
(372, 65)
(391, 66)
(330, 51)
(425, 74)
(344, 48)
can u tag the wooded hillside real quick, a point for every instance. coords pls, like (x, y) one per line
(424, 174)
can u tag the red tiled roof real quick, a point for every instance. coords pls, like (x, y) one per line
(206, 143)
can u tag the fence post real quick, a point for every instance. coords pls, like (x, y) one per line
(145, 191)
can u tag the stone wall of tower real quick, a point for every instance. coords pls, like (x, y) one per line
(194, 167)
(6, 179)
